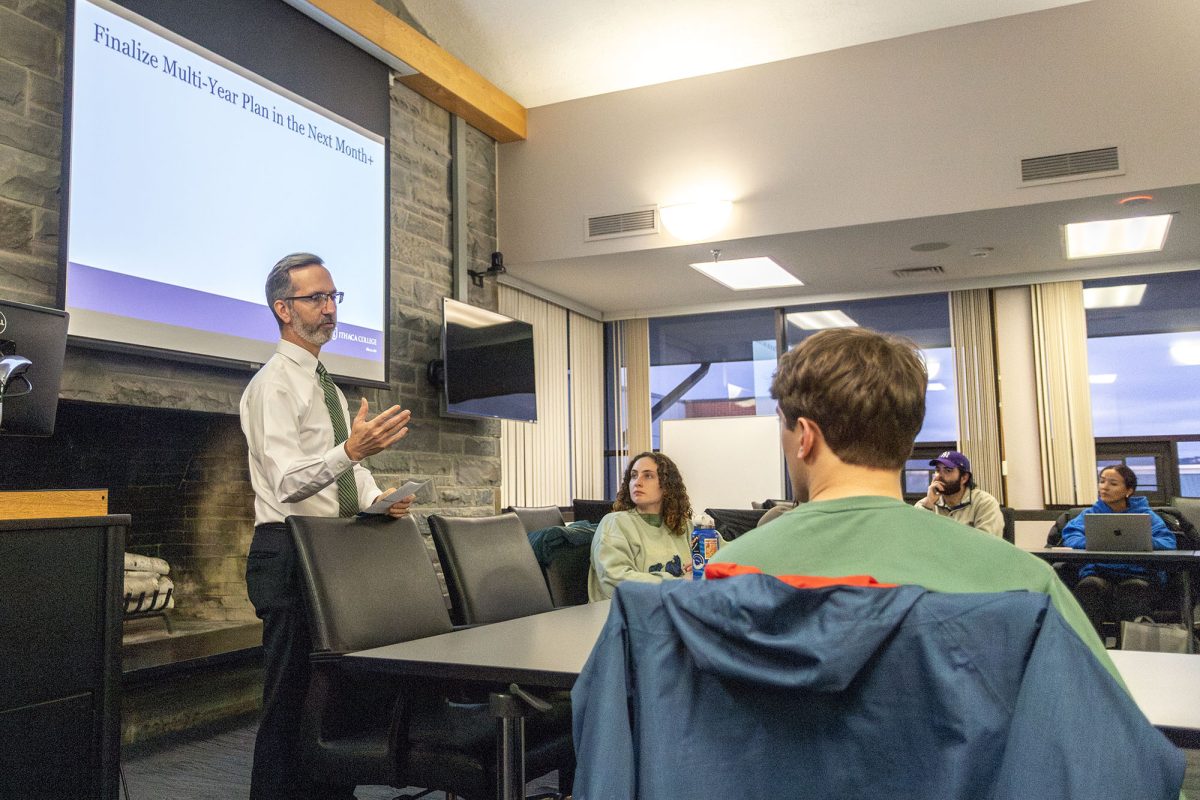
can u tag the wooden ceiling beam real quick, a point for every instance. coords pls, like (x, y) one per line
(439, 76)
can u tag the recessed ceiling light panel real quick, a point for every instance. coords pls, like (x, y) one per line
(1115, 237)
(1129, 294)
(741, 274)
(1186, 352)
(1105, 377)
(819, 320)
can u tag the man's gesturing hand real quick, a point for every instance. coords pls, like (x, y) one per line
(370, 436)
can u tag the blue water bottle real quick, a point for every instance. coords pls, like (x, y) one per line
(705, 542)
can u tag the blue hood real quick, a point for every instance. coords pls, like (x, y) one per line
(1137, 505)
(760, 630)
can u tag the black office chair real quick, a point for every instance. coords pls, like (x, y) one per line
(535, 518)
(369, 583)
(1010, 524)
(591, 510)
(490, 569)
(733, 522)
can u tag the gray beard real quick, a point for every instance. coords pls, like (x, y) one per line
(314, 335)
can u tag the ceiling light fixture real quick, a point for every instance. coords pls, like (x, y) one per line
(692, 222)
(746, 273)
(937, 387)
(1129, 294)
(1186, 353)
(1105, 377)
(932, 366)
(819, 320)
(1114, 237)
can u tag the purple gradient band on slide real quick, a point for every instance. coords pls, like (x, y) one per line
(110, 292)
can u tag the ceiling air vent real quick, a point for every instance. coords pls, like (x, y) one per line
(918, 272)
(629, 223)
(1071, 166)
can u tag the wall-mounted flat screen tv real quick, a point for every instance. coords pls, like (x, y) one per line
(33, 344)
(206, 142)
(488, 364)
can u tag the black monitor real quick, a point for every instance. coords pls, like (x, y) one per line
(488, 364)
(33, 343)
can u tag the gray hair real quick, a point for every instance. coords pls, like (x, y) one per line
(279, 279)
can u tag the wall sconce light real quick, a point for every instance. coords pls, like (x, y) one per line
(692, 222)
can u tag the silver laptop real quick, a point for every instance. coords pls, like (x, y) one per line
(1127, 533)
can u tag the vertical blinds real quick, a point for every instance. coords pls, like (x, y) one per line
(971, 336)
(562, 455)
(1064, 396)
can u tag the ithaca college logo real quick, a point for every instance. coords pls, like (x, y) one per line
(3, 322)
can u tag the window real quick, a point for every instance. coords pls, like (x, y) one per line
(925, 319)
(711, 365)
(1144, 371)
(1189, 469)
(720, 365)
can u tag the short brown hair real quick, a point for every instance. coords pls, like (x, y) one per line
(676, 507)
(864, 389)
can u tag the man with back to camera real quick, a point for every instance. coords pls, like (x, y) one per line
(304, 459)
(851, 402)
(952, 493)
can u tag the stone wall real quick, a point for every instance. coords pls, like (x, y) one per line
(460, 456)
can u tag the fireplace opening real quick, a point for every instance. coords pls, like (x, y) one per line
(183, 479)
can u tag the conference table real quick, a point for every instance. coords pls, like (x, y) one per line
(1166, 687)
(1187, 561)
(548, 651)
(543, 651)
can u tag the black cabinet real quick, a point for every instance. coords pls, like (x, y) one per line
(60, 642)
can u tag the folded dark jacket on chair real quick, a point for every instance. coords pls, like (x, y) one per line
(546, 541)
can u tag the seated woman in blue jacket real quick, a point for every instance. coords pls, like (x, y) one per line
(1115, 592)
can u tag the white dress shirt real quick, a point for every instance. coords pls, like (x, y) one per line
(294, 463)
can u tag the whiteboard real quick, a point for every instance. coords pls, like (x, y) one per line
(726, 462)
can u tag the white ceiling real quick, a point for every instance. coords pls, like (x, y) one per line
(857, 261)
(547, 51)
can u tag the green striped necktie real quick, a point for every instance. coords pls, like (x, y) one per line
(346, 488)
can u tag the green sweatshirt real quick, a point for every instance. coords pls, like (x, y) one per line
(629, 546)
(896, 543)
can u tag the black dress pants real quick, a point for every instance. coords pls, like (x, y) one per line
(1115, 598)
(274, 589)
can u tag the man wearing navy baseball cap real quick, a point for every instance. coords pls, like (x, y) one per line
(952, 493)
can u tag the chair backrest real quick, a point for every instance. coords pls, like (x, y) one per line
(491, 571)
(366, 582)
(1189, 509)
(1010, 525)
(1186, 537)
(590, 510)
(733, 522)
(534, 518)
(777, 510)
(1054, 536)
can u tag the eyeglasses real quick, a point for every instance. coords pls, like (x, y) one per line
(318, 298)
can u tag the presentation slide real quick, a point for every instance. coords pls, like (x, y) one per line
(189, 178)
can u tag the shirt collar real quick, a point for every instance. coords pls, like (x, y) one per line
(297, 354)
(965, 502)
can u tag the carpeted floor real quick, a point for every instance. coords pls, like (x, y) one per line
(214, 764)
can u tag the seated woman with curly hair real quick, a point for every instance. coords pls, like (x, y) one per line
(648, 535)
